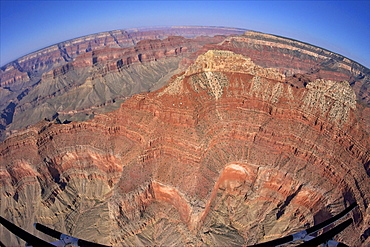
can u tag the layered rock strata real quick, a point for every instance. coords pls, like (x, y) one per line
(76, 79)
(229, 153)
(54, 80)
(300, 61)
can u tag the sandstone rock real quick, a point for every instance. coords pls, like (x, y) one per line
(227, 154)
(53, 81)
(79, 78)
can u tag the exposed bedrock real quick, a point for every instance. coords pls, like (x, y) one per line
(227, 154)
(77, 79)
(299, 61)
(99, 81)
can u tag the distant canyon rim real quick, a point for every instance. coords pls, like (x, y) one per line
(195, 136)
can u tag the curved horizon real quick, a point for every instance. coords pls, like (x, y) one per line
(135, 29)
(341, 26)
(132, 29)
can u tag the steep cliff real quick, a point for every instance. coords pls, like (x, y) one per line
(228, 153)
(79, 77)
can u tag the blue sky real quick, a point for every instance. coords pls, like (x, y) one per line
(339, 26)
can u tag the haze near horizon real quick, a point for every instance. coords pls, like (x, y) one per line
(340, 26)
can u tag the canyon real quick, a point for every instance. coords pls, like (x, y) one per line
(223, 139)
(104, 69)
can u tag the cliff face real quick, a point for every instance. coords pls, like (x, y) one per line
(299, 61)
(79, 78)
(228, 153)
(101, 80)
(52, 81)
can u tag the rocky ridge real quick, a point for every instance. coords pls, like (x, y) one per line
(299, 61)
(51, 82)
(79, 78)
(229, 153)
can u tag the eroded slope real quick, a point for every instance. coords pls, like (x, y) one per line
(229, 153)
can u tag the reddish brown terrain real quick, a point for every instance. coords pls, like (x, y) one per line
(76, 79)
(249, 138)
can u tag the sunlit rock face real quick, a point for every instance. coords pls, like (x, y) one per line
(228, 153)
(78, 78)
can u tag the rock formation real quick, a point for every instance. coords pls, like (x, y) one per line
(230, 152)
(79, 78)
(50, 83)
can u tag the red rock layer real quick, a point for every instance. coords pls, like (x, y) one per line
(59, 54)
(227, 154)
(298, 61)
(97, 80)
(79, 78)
